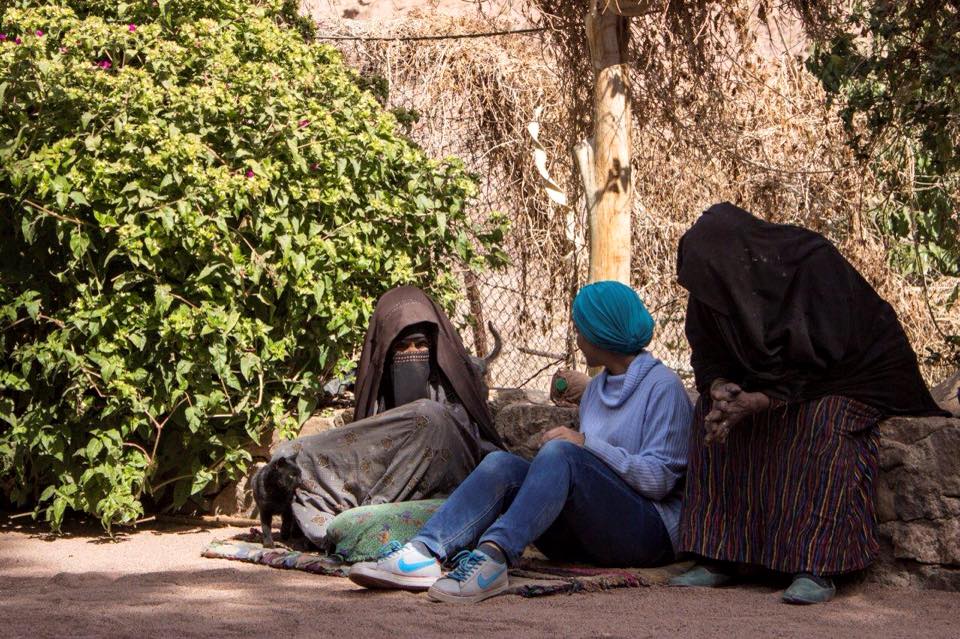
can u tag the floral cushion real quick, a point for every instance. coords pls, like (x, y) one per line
(359, 533)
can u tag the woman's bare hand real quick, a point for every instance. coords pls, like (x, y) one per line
(562, 432)
(731, 404)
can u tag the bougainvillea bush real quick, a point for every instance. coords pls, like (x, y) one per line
(198, 210)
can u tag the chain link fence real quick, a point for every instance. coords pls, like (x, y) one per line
(473, 99)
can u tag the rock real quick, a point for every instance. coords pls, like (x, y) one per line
(947, 394)
(521, 424)
(315, 424)
(509, 396)
(236, 498)
(261, 450)
(918, 503)
(321, 423)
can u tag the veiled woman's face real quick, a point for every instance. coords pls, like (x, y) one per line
(411, 345)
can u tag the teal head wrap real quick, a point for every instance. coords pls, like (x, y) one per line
(611, 315)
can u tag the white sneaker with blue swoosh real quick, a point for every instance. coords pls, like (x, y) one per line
(397, 567)
(476, 577)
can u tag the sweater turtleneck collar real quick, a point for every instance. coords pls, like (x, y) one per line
(614, 390)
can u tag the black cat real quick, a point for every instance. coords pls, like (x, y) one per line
(273, 489)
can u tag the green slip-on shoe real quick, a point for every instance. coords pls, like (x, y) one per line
(806, 590)
(701, 577)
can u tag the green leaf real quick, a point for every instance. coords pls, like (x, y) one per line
(55, 513)
(33, 309)
(305, 408)
(94, 446)
(207, 270)
(78, 198)
(247, 363)
(193, 419)
(200, 481)
(79, 243)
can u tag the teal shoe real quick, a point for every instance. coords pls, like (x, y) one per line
(809, 589)
(701, 577)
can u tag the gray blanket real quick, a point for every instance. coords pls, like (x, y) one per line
(421, 450)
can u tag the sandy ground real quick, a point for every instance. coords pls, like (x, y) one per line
(153, 583)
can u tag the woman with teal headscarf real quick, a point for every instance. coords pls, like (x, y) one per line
(608, 493)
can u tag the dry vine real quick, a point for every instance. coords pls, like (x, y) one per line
(724, 110)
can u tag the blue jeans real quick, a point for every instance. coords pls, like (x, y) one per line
(567, 502)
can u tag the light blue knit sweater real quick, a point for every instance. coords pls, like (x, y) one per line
(638, 423)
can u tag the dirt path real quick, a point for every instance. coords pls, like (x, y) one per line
(153, 583)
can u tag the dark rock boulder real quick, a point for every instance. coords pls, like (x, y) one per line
(918, 503)
(509, 396)
(522, 416)
(947, 394)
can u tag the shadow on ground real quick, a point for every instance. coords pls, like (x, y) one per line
(226, 601)
(154, 583)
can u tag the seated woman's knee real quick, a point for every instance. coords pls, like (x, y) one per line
(434, 412)
(500, 463)
(559, 449)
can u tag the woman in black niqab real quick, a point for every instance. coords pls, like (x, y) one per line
(797, 359)
(421, 419)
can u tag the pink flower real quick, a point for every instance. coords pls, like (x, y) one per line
(104, 64)
(131, 28)
(39, 33)
(63, 49)
(3, 36)
(17, 41)
(249, 173)
(303, 123)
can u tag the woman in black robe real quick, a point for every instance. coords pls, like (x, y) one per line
(421, 419)
(797, 360)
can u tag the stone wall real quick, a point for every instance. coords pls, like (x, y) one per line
(918, 503)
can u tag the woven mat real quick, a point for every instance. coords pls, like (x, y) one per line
(534, 578)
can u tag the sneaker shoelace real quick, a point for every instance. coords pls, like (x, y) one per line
(389, 549)
(467, 563)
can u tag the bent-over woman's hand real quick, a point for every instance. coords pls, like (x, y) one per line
(564, 433)
(731, 404)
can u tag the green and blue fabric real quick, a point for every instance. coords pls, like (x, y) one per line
(360, 533)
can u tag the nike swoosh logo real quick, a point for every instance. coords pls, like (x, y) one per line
(485, 583)
(405, 567)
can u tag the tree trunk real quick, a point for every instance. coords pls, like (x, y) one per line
(609, 215)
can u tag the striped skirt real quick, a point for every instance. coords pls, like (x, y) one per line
(791, 489)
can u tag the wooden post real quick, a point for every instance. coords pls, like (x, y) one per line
(611, 184)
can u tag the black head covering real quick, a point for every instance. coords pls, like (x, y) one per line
(398, 309)
(777, 309)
